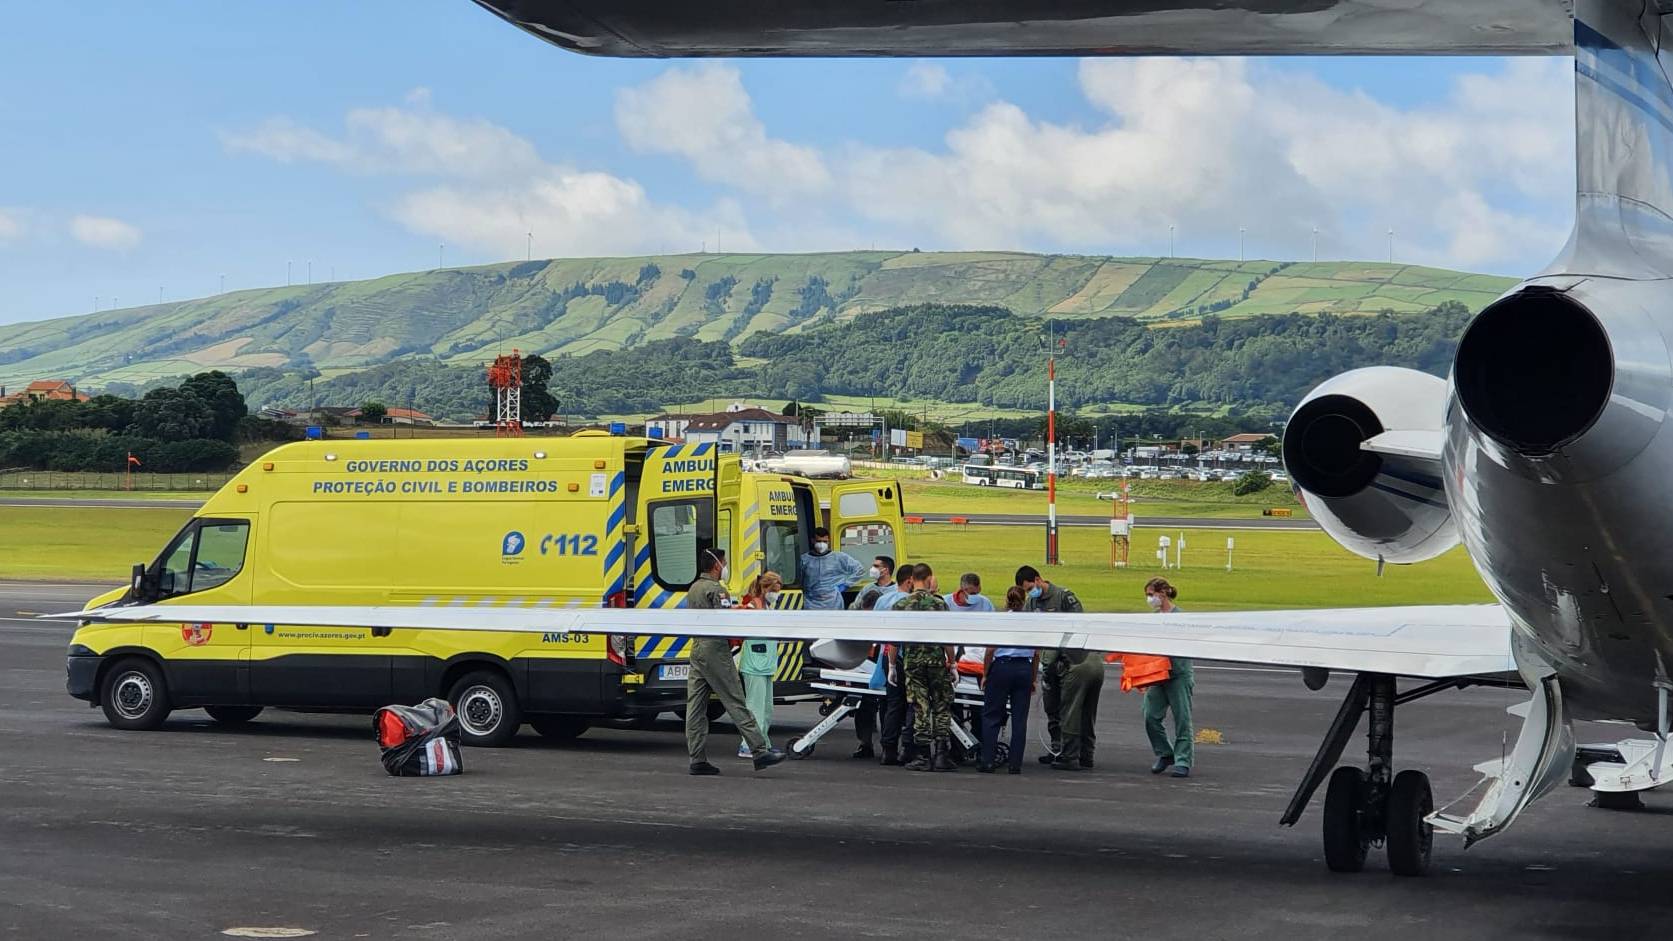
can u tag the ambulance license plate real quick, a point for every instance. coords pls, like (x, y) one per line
(674, 671)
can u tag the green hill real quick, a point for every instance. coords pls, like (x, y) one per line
(462, 316)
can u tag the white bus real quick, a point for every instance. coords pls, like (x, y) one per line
(1019, 478)
(982, 475)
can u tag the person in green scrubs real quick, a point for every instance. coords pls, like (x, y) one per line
(1172, 694)
(758, 658)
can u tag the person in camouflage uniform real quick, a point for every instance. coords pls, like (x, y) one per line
(929, 681)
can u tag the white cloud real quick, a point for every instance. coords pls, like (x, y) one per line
(703, 113)
(105, 232)
(925, 80)
(11, 224)
(1207, 145)
(412, 140)
(489, 187)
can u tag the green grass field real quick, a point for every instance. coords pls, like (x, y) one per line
(1152, 498)
(1271, 569)
(99, 543)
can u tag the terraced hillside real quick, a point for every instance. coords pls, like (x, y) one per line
(575, 306)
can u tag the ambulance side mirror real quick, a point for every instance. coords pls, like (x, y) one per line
(144, 587)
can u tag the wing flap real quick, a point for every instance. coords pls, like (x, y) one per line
(1423, 641)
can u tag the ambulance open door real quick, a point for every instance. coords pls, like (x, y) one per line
(865, 518)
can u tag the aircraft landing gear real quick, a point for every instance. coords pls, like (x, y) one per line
(1371, 806)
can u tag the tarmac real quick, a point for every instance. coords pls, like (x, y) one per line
(291, 823)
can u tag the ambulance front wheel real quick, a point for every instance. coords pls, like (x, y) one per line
(134, 695)
(487, 707)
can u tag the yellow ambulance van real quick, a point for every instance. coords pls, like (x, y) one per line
(590, 520)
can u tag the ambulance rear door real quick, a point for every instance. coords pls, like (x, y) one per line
(865, 518)
(676, 522)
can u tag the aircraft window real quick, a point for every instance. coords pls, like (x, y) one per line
(679, 531)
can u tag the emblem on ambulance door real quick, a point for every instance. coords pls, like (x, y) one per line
(196, 635)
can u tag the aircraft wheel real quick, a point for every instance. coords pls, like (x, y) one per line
(1345, 842)
(1410, 837)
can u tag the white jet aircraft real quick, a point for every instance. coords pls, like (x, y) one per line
(1545, 452)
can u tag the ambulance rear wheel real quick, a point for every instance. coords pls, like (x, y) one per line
(560, 728)
(134, 695)
(487, 707)
(232, 715)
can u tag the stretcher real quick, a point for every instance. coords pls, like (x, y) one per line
(847, 689)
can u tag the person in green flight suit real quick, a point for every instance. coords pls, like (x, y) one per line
(712, 670)
(1044, 596)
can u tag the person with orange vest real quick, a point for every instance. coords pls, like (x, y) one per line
(1172, 694)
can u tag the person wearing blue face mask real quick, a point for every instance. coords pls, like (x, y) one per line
(1045, 597)
(824, 573)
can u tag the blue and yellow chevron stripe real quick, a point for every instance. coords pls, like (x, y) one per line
(615, 538)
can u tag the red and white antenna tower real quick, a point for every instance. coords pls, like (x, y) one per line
(505, 377)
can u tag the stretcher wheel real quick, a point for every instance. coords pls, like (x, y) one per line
(799, 754)
(1002, 754)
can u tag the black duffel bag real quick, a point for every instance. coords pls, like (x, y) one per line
(419, 741)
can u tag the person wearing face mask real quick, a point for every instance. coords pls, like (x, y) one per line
(825, 572)
(712, 670)
(865, 718)
(969, 596)
(1042, 595)
(929, 682)
(1173, 694)
(758, 658)
(895, 707)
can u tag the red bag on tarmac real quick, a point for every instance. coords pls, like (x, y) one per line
(419, 741)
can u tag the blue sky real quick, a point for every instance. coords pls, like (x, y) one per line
(162, 145)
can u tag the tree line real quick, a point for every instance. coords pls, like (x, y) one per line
(1248, 372)
(194, 426)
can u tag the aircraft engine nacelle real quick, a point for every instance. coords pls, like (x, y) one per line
(1567, 381)
(1388, 503)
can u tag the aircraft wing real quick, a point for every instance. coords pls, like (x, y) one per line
(659, 28)
(1430, 641)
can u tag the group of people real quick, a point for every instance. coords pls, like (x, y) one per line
(917, 680)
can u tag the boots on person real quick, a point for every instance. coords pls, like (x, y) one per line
(943, 760)
(919, 762)
(891, 755)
